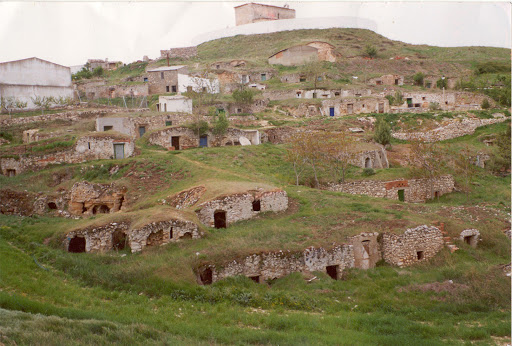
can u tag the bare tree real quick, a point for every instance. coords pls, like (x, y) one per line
(465, 166)
(43, 102)
(338, 152)
(7, 103)
(428, 160)
(313, 70)
(297, 157)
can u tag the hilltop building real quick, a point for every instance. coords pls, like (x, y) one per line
(174, 79)
(255, 13)
(104, 64)
(28, 78)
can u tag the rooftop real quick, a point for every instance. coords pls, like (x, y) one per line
(166, 68)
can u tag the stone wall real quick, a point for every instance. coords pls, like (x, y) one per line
(181, 52)
(272, 265)
(94, 91)
(71, 116)
(118, 236)
(376, 159)
(159, 85)
(345, 106)
(452, 129)
(241, 206)
(447, 101)
(89, 199)
(366, 250)
(414, 190)
(415, 245)
(388, 79)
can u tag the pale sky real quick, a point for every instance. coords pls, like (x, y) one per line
(69, 33)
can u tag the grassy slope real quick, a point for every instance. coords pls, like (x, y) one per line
(137, 298)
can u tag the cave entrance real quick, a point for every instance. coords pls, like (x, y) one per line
(187, 235)
(52, 205)
(420, 255)
(255, 278)
(206, 276)
(220, 219)
(332, 271)
(100, 209)
(118, 240)
(155, 238)
(256, 205)
(76, 245)
(470, 240)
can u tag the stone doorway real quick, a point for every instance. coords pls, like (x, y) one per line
(471, 240)
(118, 240)
(52, 205)
(332, 271)
(367, 163)
(256, 205)
(100, 209)
(11, 172)
(365, 261)
(401, 195)
(155, 238)
(220, 219)
(255, 278)
(420, 255)
(76, 245)
(187, 235)
(175, 142)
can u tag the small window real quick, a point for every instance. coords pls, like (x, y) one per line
(302, 79)
(263, 77)
(319, 78)
(423, 98)
(145, 79)
(204, 89)
(161, 75)
(336, 93)
(168, 123)
(107, 128)
(420, 255)
(173, 88)
(166, 88)
(218, 66)
(89, 145)
(256, 205)
(314, 95)
(239, 110)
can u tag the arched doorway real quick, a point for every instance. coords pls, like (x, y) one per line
(76, 245)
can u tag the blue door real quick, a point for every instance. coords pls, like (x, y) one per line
(331, 111)
(203, 141)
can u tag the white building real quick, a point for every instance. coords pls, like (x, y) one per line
(197, 84)
(27, 78)
(177, 103)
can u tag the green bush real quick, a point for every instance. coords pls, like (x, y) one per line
(382, 133)
(368, 171)
(98, 71)
(370, 51)
(243, 96)
(418, 78)
(220, 124)
(442, 83)
(485, 104)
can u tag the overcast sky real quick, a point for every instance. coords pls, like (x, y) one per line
(69, 33)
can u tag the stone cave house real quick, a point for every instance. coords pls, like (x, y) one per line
(225, 210)
(301, 54)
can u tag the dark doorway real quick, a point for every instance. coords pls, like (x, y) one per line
(52, 205)
(118, 240)
(175, 142)
(255, 278)
(107, 128)
(77, 244)
(187, 235)
(367, 163)
(401, 195)
(206, 276)
(332, 271)
(171, 233)
(256, 205)
(100, 209)
(436, 194)
(396, 81)
(420, 255)
(142, 130)
(155, 238)
(11, 172)
(220, 219)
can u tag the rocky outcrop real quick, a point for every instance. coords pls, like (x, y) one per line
(89, 199)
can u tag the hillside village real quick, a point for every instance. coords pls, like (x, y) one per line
(313, 162)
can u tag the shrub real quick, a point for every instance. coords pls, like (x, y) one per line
(442, 83)
(243, 96)
(200, 127)
(220, 124)
(98, 71)
(382, 133)
(485, 104)
(368, 171)
(434, 106)
(418, 78)
(370, 51)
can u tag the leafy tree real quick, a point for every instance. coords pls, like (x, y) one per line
(84, 73)
(98, 71)
(395, 100)
(220, 125)
(200, 127)
(370, 51)
(382, 132)
(442, 83)
(7, 103)
(485, 104)
(242, 95)
(418, 78)
(304, 147)
(20, 104)
(313, 70)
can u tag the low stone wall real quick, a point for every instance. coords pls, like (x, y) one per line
(186, 198)
(88, 198)
(182, 52)
(470, 236)
(415, 245)
(454, 129)
(71, 116)
(28, 203)
(116, 236)
(272, 265)
(225, 210)
(366, 250)
(87, 148)
(414, 190)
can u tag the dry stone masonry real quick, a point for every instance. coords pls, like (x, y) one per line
(119, 235)
(410, 190)
(89, 199)
(415, 245)
(225, 210)
(453, 129)
(470, 236)
(272, 265)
